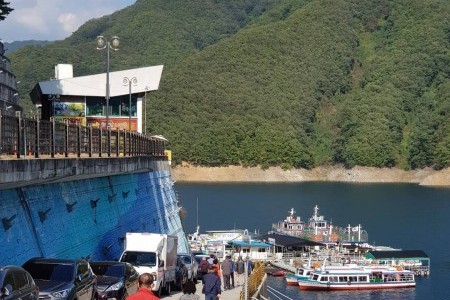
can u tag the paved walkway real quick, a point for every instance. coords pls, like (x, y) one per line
(233, 294)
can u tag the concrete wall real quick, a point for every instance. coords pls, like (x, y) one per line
(20, 172)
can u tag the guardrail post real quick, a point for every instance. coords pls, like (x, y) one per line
(108, 140)
(78, 139)
(66, 138)
(19, 132)
(117, 142)
(37, 142)
(1, 130)
(129, 142)
(100, 140)
(90, 140)
(53, 138)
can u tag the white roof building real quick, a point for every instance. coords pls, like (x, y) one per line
(82, 99)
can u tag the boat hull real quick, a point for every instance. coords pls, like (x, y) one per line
(315, 286)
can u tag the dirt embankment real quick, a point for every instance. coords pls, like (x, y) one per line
(430, 177)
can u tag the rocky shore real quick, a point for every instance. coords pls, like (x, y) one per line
(428, 177)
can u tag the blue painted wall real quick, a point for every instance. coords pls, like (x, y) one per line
(86, 218)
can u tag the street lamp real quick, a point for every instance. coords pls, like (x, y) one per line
(128, 81)
(113, 44)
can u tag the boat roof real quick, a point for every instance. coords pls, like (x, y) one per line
(288, 240)
(405, 254)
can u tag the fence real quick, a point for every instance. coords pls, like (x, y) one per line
(23, 137)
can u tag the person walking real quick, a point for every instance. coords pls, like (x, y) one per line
(233, 269)
(249, 265)
(216, 267)
(189, 290)
(226, 272)
(240, 269)
(145, 283)
(203, 267)
(212, 287)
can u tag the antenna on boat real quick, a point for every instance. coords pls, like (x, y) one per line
(197, 212)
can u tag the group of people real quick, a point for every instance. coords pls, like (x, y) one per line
(212, 274)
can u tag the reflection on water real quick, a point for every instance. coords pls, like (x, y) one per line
(279, 284)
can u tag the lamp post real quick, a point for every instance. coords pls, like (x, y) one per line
(113, 44)
(129, 81)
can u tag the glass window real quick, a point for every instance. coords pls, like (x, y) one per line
(140, 258)
(20, 280)
(94, 106)
(9, 280)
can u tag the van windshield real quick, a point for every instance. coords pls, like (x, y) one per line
(139, 258)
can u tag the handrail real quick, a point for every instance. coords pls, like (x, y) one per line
(35, 138)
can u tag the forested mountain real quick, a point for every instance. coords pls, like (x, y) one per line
(295, 83)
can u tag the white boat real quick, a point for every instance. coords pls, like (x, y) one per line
(319, 229)
(362, 278)
(301, 273)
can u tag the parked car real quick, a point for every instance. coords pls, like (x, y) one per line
(16, 283)
(115, 279)
(191, 265)
(181, 274)
(63, 278)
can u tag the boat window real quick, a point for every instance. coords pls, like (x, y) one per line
(334, 279)
(352, 278)
(343, 278)
(315, 277)
(362, 278)
(324, 278)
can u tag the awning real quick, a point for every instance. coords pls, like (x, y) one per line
(397, 254)
(249, 244)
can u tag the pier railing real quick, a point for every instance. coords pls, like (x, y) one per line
(28, 138)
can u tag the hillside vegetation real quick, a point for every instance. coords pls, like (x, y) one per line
(282, 82)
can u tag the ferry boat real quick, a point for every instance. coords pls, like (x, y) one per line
(364, 278)
(319, 229)
(300, 273)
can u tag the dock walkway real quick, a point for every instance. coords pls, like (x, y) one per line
(233, 294)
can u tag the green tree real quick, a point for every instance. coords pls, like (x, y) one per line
(4, 9)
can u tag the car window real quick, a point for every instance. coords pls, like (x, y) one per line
(9, 282)
(108, 270)
(62, 273)
(140, 258)
(82, 270)
(187, 259)
(20, 280)
(49, 271)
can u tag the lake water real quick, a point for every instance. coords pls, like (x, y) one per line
(403, 216)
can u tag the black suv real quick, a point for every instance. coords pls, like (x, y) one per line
(63, 278)
(16, 283)
(115, 279)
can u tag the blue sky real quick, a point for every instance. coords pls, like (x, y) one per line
(53, 19)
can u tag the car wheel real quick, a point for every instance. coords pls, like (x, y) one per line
(168, 288)
(125, 295)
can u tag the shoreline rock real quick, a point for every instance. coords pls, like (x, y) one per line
(233, 174)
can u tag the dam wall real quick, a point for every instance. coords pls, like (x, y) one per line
(82, 207)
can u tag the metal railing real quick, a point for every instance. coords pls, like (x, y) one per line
(27, 138)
